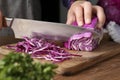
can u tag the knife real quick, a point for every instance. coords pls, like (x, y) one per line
(48, 30)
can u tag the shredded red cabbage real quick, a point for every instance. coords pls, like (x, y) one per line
(42, 49)
(84, 41)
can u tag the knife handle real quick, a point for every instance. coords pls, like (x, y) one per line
(9, 21)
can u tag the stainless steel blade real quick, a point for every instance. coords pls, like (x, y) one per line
(49, 30)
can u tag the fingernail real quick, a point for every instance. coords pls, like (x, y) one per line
(80, 23)
(88, 21)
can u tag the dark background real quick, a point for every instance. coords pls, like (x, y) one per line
(50, 10)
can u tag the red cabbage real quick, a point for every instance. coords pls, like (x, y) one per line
(84, 41)
(112, 10)
(42, 49)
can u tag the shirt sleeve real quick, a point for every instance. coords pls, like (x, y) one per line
(94, 1)
(67, 3)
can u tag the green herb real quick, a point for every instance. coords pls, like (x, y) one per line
(18, 66)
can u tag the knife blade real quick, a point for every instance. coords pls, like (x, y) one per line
(48, 30)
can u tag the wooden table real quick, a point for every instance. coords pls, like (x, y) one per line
(106, 70)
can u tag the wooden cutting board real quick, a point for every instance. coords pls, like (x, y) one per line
(105, 50)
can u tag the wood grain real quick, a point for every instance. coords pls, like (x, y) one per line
(107, 70)
(88, 59)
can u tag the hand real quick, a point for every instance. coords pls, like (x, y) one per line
(82, 12)
(2, 21)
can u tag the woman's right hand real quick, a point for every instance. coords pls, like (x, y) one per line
(2, 21)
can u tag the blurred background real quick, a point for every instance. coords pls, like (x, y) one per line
(53, 11)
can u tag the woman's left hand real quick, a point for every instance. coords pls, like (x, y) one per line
(82, 12)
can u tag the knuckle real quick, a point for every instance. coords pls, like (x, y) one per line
(80, 18)
(87, 16)
(77, 7)
(99, 7)
(87, 3)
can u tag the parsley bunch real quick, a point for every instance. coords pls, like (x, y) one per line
(18, 66)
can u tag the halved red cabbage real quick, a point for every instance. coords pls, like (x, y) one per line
(42, 49)
(84, 41)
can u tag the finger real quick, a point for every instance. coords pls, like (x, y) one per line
(79, 15)
(70, 18)
(87, 12)
(0, 20)
(100, 14)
